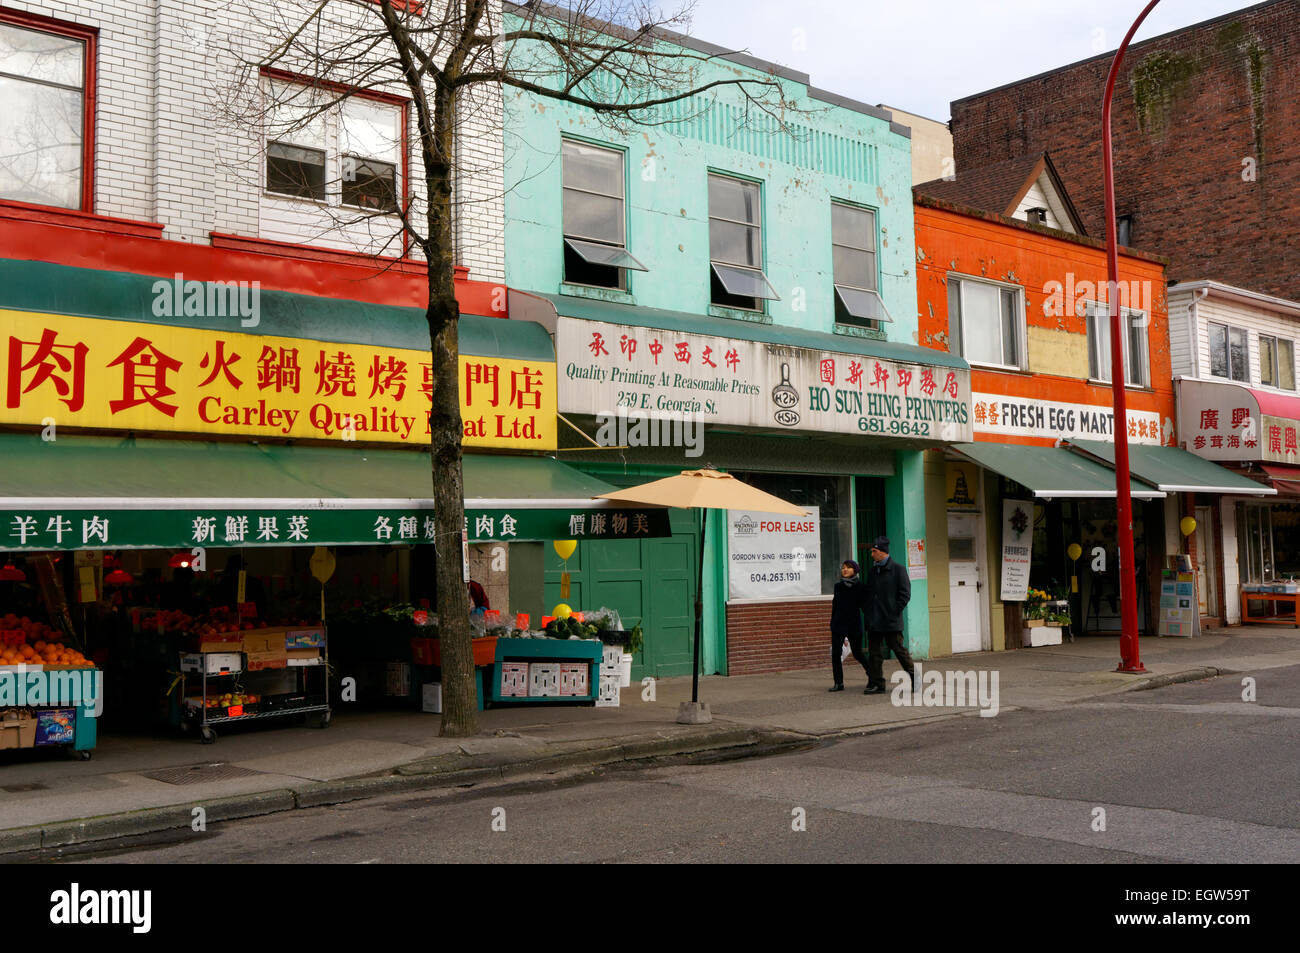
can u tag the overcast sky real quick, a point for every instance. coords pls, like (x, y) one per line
(920, 55)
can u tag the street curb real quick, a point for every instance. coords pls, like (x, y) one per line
(1175, 678)
(733, 742)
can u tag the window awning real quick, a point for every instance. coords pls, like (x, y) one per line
(1286, 480)
(1051, 472)
(1174, 470)
(113, 493)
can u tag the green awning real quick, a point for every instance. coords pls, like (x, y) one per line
(1174, 470)
(1051, 472)
(113, 493)
(590, 309)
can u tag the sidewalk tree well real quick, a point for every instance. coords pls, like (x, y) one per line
(451, 60)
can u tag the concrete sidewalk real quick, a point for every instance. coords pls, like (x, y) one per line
(137, 785)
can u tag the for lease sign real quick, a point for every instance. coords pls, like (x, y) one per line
(774, 557)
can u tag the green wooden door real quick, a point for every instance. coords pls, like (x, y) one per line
(652, 581)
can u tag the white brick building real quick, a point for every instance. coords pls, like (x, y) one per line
(159, 83)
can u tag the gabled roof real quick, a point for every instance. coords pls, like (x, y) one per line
(1001, 187)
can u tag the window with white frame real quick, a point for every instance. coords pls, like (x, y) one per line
(853, 252)
(1229, 355)
(595, 220)
(1276, 362)
(44, 121)
(1134, 345)
(345, 152)
(736, 244)
(986, 321)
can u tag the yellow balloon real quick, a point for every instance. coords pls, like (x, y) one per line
(565, 547)
(1187, 525)
(562, 611)
(1074, 550)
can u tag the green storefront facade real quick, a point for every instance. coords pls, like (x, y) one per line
(65, 487)
(752, 286)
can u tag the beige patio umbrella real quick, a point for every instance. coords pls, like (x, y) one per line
(702, 490)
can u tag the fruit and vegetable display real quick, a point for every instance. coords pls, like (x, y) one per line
(24, 642)
(571, 628)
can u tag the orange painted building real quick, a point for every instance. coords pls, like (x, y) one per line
(1056, 276)
(1025, 304)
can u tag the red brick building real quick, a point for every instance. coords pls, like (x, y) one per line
(1207, 166)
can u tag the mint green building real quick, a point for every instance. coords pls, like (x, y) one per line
(752, 286)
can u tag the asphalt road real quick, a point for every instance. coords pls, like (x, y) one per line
(1187, 773)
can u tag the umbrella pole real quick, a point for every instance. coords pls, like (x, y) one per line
(699, 613)
(692, 712)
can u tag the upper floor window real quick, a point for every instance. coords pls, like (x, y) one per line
(853, 250)
(1228, 353)
(1276, 362)
(314, 143)
(736, 244)
(1134, 345)
(45, 125)
(595, 222)
(986, 322)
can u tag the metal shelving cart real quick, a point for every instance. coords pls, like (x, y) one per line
(212, 666)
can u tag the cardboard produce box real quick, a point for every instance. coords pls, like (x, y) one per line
(17, 728)
(270, 658)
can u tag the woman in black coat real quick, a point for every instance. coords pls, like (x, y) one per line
(846, 620)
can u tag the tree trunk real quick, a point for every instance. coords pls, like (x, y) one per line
(459, 694)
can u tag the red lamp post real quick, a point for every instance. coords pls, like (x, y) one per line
(1129, 658)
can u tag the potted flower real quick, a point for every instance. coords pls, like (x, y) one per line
(1034, 612)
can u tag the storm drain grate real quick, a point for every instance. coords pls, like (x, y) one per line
(200, 773)
(19, 788)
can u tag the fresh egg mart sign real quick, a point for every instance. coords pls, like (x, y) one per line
(121, 375)
(614, 368)
(1054, 419)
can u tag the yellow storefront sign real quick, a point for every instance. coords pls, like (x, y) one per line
(121, 375)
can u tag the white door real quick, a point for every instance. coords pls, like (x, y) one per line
(1207, 570)
(964, 583)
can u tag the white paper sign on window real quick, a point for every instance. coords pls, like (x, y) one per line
(774, 556)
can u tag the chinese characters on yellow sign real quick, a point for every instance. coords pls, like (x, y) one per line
(87, 372)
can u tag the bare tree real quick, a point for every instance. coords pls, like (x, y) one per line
(614, 57)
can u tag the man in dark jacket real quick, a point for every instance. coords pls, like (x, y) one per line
(888, 592)
(847, 604)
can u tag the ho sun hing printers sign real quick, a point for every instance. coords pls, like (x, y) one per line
(774, 556)
(614, 369)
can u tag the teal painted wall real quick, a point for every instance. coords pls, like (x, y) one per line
(904, 520)
(834, 153)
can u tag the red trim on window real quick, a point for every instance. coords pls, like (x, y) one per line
(404, 102)
(299, 79)
(72, 218)
(406, 6)
(90, 37)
